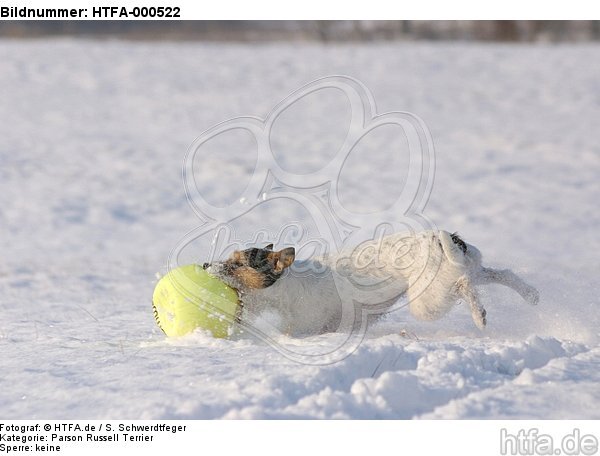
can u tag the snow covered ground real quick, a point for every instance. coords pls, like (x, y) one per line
(93, 134)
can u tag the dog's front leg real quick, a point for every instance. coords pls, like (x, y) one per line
(464, 290)
(509, 279)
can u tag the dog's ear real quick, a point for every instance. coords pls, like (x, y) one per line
(283, 259)
(237, 256)
(269, 247)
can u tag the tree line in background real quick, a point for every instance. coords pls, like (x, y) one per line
(528, 31)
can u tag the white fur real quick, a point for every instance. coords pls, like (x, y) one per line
(428, 268)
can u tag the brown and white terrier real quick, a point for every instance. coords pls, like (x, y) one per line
(432, 269)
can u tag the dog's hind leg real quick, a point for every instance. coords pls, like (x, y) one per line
(463, 289)
(509, 279)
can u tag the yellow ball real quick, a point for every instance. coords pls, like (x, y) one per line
(188, 297)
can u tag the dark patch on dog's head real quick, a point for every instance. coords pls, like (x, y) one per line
(459, 242)
(258, 268)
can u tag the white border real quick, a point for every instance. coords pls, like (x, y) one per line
(307, 438)
(348, 10)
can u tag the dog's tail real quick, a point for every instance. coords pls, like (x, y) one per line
(453, 246)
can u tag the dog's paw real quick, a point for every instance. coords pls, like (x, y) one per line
(479, 318)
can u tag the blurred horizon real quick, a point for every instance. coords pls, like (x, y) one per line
(319, 31)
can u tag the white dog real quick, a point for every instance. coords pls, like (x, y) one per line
(432, 269)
